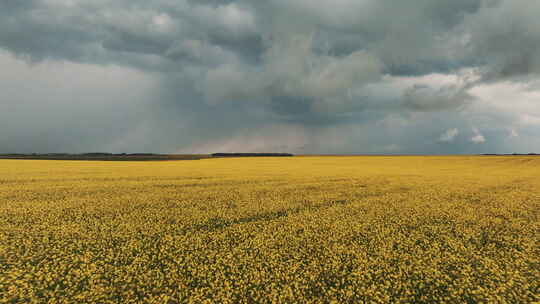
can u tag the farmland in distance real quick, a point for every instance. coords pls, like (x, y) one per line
(376, 229)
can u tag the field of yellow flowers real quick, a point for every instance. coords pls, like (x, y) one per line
(452, 229)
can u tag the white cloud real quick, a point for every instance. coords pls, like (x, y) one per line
(478, 138)
(513, 133)
(449, 135)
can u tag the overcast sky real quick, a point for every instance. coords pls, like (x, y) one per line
(301, 76)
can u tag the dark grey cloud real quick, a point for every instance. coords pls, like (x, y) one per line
(504, 38)
(426, 98)
(226, 69)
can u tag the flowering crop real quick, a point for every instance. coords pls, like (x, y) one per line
(303, 229)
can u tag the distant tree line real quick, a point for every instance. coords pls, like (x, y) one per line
(514, 154)
(104, 156)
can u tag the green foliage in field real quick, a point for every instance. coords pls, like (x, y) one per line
(302, 229)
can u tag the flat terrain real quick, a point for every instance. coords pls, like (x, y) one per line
(302, 229)
(106, 156)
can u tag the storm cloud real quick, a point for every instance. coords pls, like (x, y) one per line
(331, 76)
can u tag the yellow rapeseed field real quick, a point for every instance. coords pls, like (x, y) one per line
(284, 230)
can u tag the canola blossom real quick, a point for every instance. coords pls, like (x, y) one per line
(371, 229)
